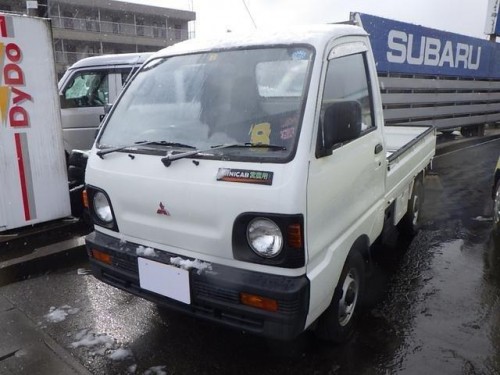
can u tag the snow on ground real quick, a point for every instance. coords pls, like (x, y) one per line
(482, 218)
(89, 339)
(59, 314)
(120, 354)
(100, 344)
(156, 370)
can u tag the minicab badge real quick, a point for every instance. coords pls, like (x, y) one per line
(245, 176)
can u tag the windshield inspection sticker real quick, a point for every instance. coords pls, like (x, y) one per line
(245, 176)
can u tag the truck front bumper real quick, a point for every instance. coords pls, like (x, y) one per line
(215, 295)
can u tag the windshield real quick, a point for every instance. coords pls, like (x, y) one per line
(204, 100)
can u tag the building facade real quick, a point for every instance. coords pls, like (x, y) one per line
(83, 28)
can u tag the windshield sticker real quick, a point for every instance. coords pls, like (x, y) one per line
(245, 176)
(260, 133)
(300, 54)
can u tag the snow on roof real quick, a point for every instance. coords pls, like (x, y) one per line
(316, 35)
(113, 59)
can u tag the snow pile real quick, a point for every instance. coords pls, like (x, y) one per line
(484, 219)
(89, 339)
(57, 315)
(156, 370)
(101, 344)
(120, 354)
(187, 264)
(145, 251)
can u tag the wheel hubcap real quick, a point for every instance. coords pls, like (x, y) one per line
(347, 303)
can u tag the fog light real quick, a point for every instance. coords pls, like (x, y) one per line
(101, 256)
(259, 302)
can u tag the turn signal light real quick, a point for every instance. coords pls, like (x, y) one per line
(259, 302)
(294, 237)
(85, 199)
(100, 256)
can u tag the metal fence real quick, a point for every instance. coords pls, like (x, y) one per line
(69, 58)
(138, 30)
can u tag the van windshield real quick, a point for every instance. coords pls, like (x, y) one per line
(237, 97)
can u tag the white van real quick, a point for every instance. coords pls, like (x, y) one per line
(86, 88)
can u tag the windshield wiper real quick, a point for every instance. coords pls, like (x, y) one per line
(101, 153)
(252, 145)
(167, 160)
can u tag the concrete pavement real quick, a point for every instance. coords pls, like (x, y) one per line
(25, 349)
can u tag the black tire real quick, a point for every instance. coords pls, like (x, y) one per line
(496, 210)
(338, 321)
(412, 221)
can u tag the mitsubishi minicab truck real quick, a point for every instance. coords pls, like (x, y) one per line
(244, 180)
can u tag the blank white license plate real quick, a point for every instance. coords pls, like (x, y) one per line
(164, 279)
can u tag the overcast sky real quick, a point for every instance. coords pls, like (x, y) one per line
(217, 16)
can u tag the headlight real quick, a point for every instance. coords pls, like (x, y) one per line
(102, 207)
(264, 237)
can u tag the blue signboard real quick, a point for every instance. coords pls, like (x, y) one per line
(407, 48)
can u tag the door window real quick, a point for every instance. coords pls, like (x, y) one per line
(347, 79)
(86, 89)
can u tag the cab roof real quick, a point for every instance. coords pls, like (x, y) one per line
(315, 35)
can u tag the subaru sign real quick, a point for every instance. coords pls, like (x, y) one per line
(401, 47)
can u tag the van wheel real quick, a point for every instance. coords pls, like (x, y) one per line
(411, 222)
(338, 320)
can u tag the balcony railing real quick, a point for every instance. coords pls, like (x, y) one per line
(69, 58)
(129, 29)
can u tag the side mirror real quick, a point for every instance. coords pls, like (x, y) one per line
(341, 124)
(107, 108)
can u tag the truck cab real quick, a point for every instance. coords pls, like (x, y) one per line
(244, 180)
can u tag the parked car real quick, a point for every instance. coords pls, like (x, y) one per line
(86, 88)
(496, 198)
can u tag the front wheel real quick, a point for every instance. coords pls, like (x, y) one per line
(496, 211)
(338, 320)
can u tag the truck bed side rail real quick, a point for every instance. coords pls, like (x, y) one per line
(442, 102)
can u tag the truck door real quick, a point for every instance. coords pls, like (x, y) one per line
(346, 186)
(82, 105)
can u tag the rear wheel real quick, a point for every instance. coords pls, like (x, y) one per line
(337, 322)
(411, 222)
(496, 210)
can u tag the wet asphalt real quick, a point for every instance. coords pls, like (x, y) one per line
(433, 307)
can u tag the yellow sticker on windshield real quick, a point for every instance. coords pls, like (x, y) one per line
(212, 57)
(260, 133)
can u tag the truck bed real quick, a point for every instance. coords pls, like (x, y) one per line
(409, 149)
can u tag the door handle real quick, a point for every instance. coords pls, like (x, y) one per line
(378, 149)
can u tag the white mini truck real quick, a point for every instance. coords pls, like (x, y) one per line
(244, 180)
